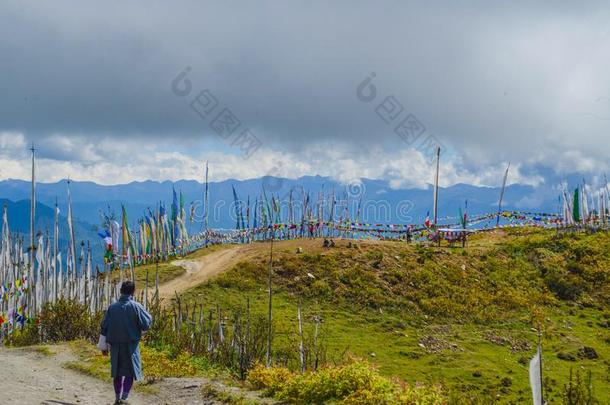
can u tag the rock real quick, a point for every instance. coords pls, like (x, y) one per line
(566, 356)
(477, 374)
(587, 352)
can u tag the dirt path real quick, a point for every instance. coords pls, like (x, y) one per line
(205, 267)
(28, 377)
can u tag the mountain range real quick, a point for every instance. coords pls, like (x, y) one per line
(380, 202)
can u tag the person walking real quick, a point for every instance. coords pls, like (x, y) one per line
(123, 324)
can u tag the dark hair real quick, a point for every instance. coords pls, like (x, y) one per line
(128, 287)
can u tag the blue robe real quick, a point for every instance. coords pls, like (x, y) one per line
(123, 324)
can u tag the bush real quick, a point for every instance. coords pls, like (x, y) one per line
(159, 364)
(565, 286)
(28, 336)
(271, 380)
(64, 320)
(578, 390)
(353, 383)
(68, 320)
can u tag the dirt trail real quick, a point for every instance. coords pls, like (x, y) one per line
(28, 377)
(205, 267)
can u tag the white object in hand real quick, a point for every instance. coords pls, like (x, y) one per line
(102, 344)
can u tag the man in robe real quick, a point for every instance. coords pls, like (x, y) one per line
(123, 324)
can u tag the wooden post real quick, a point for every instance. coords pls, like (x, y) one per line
(541, 379)
(32, 235)
(315, 342)
(301, 347)
(221, 335)
(502, 196)
(270, 314)
(438, 158)
(146, 291)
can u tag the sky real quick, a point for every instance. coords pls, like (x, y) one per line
(117, 91)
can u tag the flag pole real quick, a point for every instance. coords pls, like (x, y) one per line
(206, 203)
(55, 250)
(32, 202)
(502, 195)
(270, 314)
(540, 350)
(438, 158)
(32, 230)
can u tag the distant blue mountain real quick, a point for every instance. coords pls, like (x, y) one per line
(380, 202)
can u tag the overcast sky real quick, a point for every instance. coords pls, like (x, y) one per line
(96, 87)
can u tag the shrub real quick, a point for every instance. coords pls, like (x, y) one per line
(63, 320)
(159, 364)
(28, 336)
(271, 380)
(578, 390)
(68, 320)
(353, 383)
(565, 286)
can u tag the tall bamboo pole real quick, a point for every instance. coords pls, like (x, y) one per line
(301, 346)
(32, 205)
(55, 251)
(270, 315)
(438, 158)
(32, 230)
(502, 195)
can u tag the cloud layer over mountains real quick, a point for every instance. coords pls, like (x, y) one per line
(91, 85)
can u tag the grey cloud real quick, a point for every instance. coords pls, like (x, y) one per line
(493, 82)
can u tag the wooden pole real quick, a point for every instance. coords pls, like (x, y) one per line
(270, 314)
(32, 206)
(541, 379)
(502, 195)
(315, 342)
(32, 231)
(146, 291)
(301, 346)
(157, 278)
(56, 250)
(438, 158)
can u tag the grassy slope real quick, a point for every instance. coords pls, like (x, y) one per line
(443, 315)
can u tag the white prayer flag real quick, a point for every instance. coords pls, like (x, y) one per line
(536, 378)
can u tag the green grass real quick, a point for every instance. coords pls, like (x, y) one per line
(157, 363)
(380, 301)
(167, 272)
(45, 350)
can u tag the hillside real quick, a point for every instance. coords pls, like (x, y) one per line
(460, 318)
